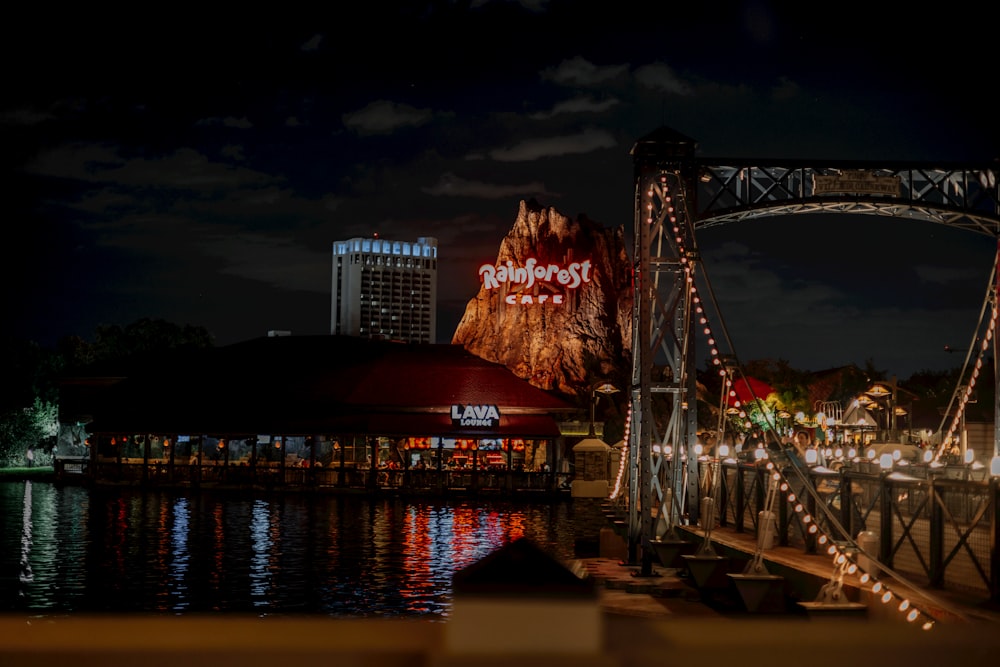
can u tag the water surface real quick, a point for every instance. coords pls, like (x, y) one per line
(70, 549)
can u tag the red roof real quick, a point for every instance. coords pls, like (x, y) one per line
(325, 384)
(748, 389)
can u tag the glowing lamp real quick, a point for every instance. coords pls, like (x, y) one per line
(723, 450)
(970, 455)
(928, 456)
(896, 455)
(885, 462)
(871, 454)
(812, 456)
(759, 453)
(995, 466)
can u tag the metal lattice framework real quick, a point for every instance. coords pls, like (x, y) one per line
(677, 193)
(665, 257)
(962, 196)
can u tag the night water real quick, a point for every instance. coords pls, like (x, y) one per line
(73, 549)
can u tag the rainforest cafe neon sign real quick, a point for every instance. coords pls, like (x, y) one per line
(526, 277)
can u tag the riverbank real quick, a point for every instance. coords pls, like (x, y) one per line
(38, 473)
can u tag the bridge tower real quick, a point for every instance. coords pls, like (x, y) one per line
(661, 456)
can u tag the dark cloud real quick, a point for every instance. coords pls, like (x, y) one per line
(199, 170)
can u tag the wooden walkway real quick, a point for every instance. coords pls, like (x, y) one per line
(804, 576)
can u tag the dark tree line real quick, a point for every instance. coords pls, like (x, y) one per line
(29, 393)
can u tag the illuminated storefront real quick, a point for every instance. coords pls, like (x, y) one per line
(328, 411)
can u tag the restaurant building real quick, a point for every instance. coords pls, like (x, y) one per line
(326, 412)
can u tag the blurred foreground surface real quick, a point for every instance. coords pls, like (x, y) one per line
(212, 640)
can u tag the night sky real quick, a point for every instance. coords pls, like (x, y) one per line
(196, 167)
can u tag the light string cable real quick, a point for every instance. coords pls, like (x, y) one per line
(844, 554)
(756, 564)
(963, 391)
(621, 478)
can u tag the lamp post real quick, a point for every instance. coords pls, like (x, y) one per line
(605, 388)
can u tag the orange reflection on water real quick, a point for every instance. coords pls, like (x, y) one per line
(418, 555)
(219, 535)
(439, 540)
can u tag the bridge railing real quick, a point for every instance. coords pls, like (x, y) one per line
(933, 527)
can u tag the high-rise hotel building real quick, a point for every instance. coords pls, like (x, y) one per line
(385, 289)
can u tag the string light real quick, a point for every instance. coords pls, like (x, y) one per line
(844, 563)
(966, 396)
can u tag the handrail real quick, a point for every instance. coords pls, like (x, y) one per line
(935, 528)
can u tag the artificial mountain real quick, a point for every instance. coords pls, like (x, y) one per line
(556, 306)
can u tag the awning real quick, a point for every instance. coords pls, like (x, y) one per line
(857, 417)
(757, 389)
(397, 424)
(440, 425)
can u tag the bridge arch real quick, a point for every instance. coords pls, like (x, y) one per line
(965, 196)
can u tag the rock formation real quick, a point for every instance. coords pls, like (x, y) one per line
(556, 306)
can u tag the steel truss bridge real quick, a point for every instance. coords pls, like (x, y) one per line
(677, 193)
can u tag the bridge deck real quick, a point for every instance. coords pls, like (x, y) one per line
(807, 572)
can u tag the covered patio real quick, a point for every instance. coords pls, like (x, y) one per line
(325, 412)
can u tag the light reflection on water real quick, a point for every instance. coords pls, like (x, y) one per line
(72, 549)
